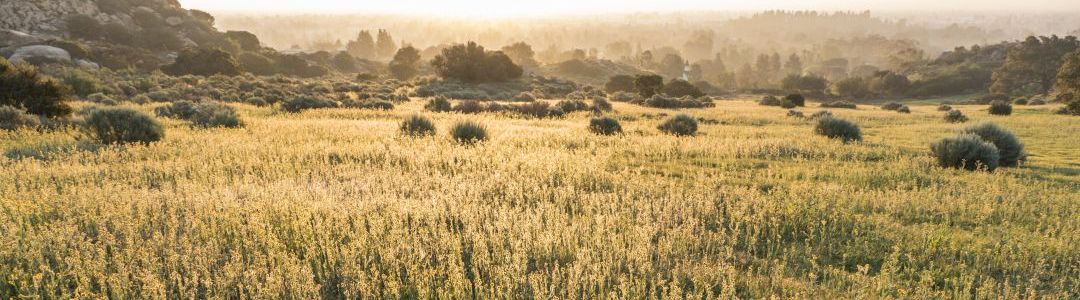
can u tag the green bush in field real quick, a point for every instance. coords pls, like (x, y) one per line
(836, 128)
(770, 100)
(944, 107)
(904, 109)
(181, 110)
(796, 99)
(118, 125)
(417, 125)
(1000, 108)
(680, 125)
(13, 118)
(23, 87)
(214, 114)
(82, 83)
(305, 103)
(468, 132)
(599, 104)
(966, 151)
(605, 126)
(469, 107)
(1009, 147)
(787, 103)
(438, 104)
(955, 116)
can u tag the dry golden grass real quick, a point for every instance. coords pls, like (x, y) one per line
(336, 203)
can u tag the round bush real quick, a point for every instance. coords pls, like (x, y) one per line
(118, 125)
(1009, 147)
(438, 104)
(966, 151)
(13, 118)
(605, 126)
(304, 103)
(796, 99)
(955, 116)
(904, 109)
(944, 107)
(417, 125)
(1000, 108)
(469, 107)
(787, 104)
(679, 125)
(182, 110)
(836, 128)
(213, 114)
(468, 132)
(770, 101)
(599, 104)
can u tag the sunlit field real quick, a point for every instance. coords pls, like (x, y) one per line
(337, 203)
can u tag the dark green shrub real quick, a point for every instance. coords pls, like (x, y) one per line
(572, 105)
(680, 88)
(1000, 108)
(468, 132)
(944, 107)
(836, 128)
(787, 104)
(203, 62)
(891, 106)
(118, 125)
(1009, 147)
(797, 99)
(22, 87)
(537, 109)
(438, 104)
(257, 101)
(839, 104)
(13, 118)
(904, 109)
(304, 103)
(770, 100)
(599, 104)
(417, 125)
(368, 104)
(214, 114)
(679, 125)
(182, 110)
(966, 151)
(661, 101)
(955, 116)
(605, 126)
(469, 107)
(471, 63)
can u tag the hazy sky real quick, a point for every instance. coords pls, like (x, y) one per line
(500, 8)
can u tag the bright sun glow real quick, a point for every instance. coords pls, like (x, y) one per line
(504, 8)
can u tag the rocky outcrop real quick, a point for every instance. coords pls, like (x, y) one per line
(43, 17)
(39, 53)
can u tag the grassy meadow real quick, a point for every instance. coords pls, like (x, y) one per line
(336, 203)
